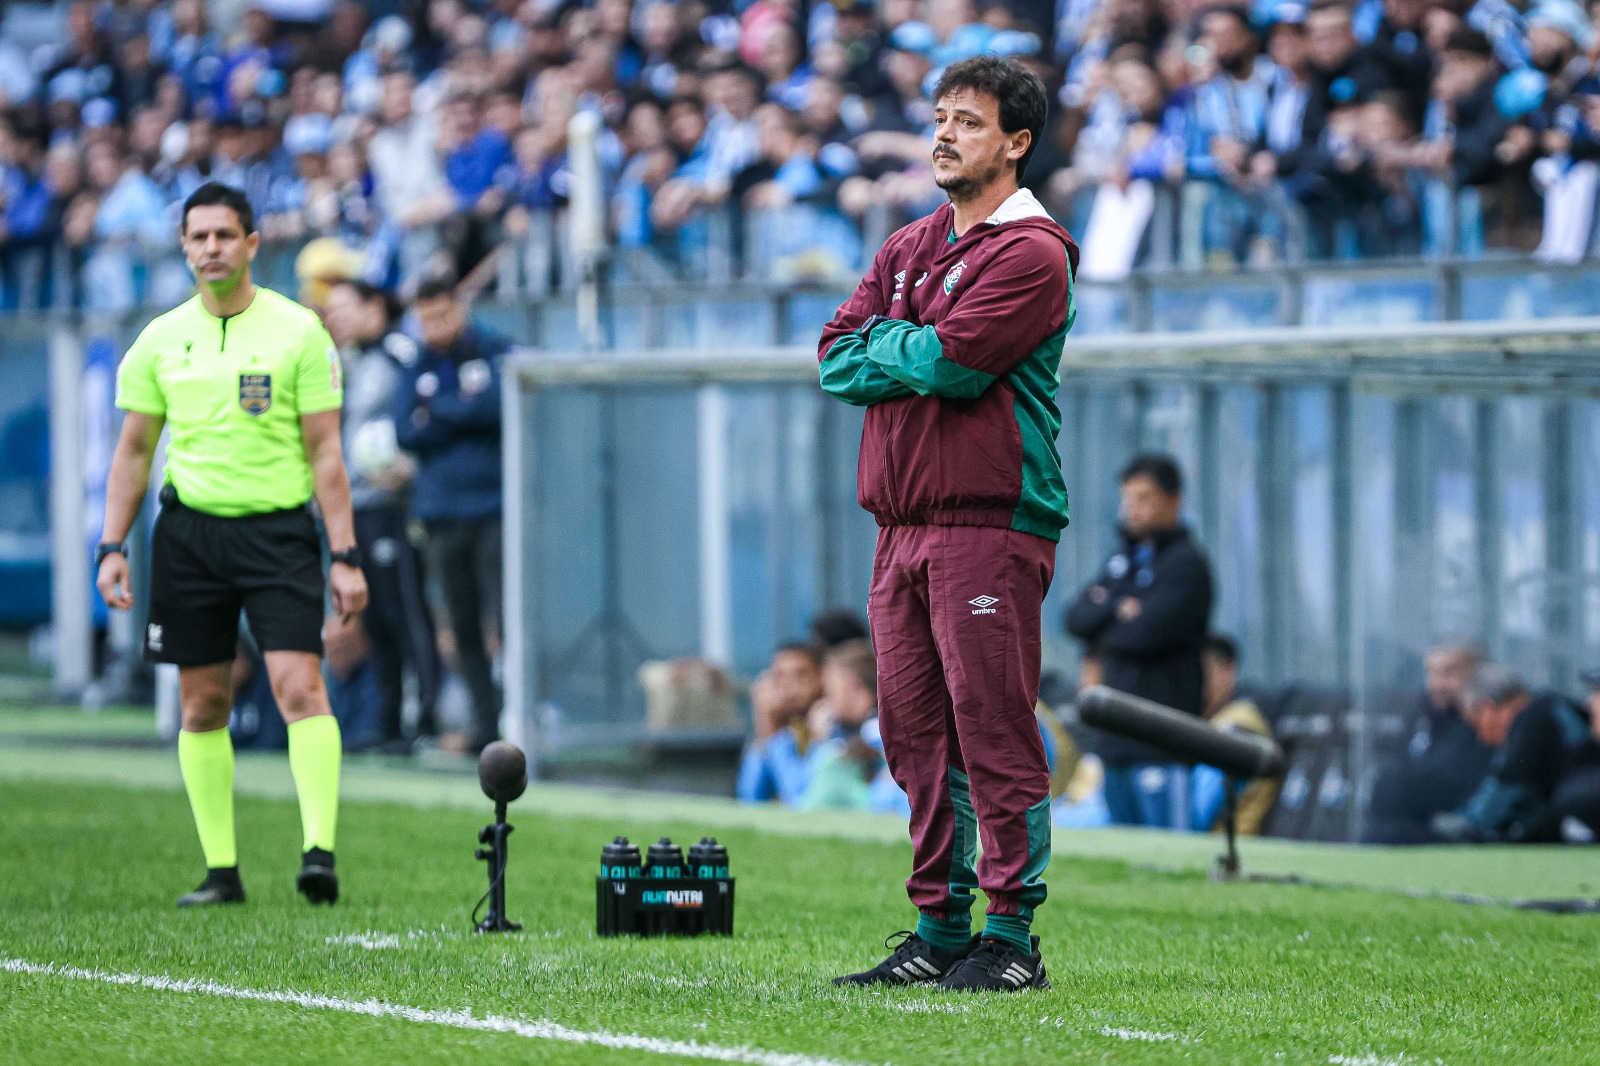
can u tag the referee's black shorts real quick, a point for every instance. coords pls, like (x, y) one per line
(205, 569)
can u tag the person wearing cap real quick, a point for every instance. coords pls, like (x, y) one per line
(1540, 740)
(1556, 135)
(249, 385)
(1558, 35)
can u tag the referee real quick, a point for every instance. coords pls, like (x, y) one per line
(249, 383)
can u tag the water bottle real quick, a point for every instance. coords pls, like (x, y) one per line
(708, 859)
(665, 860)
(619, 860)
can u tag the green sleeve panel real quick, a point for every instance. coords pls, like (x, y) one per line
(1042, 508)
(848, 375)
(915, 357)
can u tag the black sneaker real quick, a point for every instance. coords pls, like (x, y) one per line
(914, 962)
(996, 966)
(317, 881)
(222, 885)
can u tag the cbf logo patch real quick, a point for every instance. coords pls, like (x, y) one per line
(954, 276)
(255, 393)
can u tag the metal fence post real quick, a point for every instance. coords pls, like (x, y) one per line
(69, 561)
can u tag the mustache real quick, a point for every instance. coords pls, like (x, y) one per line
(946, 153)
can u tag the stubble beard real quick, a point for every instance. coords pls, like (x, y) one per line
(965, 187)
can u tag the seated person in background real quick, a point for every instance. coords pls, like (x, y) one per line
(835, 626)
(1081, 801)
(1575, 804)
(353, 689)
(254, 721)
(1226, 709)
(847, 766)
(1539, 741)
(1442, 763)
(774, 764)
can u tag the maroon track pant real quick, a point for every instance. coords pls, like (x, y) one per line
(955, 623)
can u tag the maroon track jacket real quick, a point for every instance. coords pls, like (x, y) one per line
(960, 388)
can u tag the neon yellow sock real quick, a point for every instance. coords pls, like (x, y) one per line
(206, 760)
(314, 753)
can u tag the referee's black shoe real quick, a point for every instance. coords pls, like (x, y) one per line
(997, 966)
(317, 881)
(222, 885)
(913, 961)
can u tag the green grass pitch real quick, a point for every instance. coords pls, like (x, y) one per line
(1148, 966)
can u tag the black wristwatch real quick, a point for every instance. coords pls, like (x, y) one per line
(872, 323)
(349, 557)
(108, 547)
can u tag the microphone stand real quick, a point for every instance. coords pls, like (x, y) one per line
(495, 855)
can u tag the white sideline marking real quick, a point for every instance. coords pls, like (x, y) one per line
(922, 1007)
(1143, 1034)
(1373, 1060)
(375, 1008)
(370, 941)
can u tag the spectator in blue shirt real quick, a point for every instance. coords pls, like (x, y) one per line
(846, 767)
(474, 153)
(1227, 127)
(774, 765)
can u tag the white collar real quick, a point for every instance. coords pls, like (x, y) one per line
(1019, 205)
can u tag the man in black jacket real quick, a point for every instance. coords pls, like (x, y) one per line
(1146, 618)
(1540, 740)
(447, 414)
(1443, 760)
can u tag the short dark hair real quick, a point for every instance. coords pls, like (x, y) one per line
(1469, 41)
(1158, 468)
(366, 292)
(431, 288)
(1024, 105)
(797, 647)
(216, 194)
(1221, 647)
(1238, 14)
(834, 626)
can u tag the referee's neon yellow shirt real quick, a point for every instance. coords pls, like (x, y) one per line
(232, 391)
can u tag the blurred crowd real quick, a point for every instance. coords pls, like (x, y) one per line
(787, 135)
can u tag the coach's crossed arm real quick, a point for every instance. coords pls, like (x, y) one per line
(1017, 302)
(847, 373)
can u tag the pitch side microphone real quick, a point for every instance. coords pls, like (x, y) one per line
(502, 772)
(503, 776)
(1238, 754)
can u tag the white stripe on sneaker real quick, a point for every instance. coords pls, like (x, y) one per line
(924, 967)
(900, 972)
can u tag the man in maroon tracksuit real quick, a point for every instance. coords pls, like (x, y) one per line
(953, 344)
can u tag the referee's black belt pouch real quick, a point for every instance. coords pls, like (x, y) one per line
(169, 499)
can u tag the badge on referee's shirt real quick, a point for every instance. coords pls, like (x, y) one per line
(255, 393)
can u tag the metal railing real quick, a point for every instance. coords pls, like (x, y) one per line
(1362, 494)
